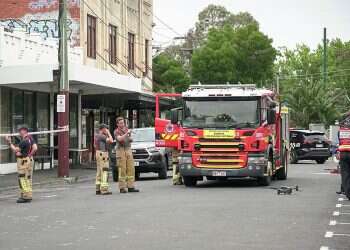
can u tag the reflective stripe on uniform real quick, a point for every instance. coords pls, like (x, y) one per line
(130, 178)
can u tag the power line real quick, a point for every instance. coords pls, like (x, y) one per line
(309, 75)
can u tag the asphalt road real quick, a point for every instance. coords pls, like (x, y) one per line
(230, 215)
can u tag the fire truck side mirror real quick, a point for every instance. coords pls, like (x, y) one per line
(271, 116)
(174, 116)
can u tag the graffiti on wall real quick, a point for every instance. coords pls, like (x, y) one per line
(45, 28)
(41, 17)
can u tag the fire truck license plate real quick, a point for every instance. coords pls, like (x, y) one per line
(218, 134)
(219, 173)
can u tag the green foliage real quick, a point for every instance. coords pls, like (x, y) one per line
(217, 16)
(169, 75)
(234, 55)
(302, 85)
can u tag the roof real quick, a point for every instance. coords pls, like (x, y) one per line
(238, 90)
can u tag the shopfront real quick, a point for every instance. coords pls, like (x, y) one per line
(18, 107)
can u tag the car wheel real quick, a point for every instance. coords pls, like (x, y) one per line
(163, 173)
(293, 157)
(190, 181)
(115, 174)
(137, 175)
(321, 161)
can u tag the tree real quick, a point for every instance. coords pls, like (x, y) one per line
(217, 16)
(311, 102)
(169, 75)
(302, 86)
(234, 55)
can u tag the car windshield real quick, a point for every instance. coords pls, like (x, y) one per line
(221, 113)
(143, 135)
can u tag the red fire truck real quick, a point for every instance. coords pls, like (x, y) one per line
(226, 131)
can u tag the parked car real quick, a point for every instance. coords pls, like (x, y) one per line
(147, 157)
(309, 145)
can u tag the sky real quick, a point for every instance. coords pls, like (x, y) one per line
(287, 22)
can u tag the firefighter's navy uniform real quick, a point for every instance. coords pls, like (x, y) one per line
(102, 162)
(344, 149)
(125, 162)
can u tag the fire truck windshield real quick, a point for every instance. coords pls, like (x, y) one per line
(214, 113)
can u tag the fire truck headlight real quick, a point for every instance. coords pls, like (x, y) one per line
(185, 160)
(256, 160)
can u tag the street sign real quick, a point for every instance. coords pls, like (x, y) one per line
(61, 103)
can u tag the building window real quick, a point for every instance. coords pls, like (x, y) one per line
(91, 36)
(146, 57)
(112, 44)
(131, 51)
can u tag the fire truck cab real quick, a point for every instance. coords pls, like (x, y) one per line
(228, 131)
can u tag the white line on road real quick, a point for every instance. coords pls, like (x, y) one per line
(324, 248)
(330, 234)
(334, 222)
(342, 205)
(337, 213)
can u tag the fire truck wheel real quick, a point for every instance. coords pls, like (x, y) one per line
(283, 172)
(266, 180)
(190, 181)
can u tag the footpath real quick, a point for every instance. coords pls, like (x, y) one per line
(45, 177)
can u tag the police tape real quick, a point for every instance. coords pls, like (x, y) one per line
(38, 132)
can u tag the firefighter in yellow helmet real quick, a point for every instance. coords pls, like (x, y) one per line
(24, 153)
(102, 139)
(125, 160)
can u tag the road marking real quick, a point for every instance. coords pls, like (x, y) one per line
(334, 222)
(341, 205)
(49, 196)
(337, 213)
(340, 199)
(329, 234)
(324, 248)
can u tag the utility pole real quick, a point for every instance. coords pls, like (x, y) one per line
(324, 55)
(63, 96)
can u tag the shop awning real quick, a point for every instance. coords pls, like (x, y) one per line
(84, 79)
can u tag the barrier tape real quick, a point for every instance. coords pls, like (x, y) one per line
(38, 132)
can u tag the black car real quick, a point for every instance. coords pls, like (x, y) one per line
(309, 145)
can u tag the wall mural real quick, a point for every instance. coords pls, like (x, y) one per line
(40, 17)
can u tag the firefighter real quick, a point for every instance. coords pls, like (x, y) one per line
(125, 160)
(24, 154)
(102, 139)
(344, 158)
(177, 178)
